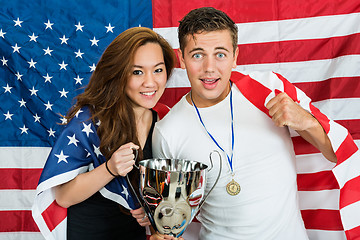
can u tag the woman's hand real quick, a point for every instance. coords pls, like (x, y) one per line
(140, 216)
(122, 160)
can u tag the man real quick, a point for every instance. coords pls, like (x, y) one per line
(248, 123)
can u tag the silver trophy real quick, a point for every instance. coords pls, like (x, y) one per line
(172, 191)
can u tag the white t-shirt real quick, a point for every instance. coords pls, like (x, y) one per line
(263, 163)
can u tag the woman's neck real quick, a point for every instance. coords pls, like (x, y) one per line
(143, 121)
(140, 114)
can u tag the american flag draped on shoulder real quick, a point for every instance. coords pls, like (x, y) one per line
(259, 88)
(75, 152)
(49, 48)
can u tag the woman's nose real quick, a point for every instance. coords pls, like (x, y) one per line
(149, 80)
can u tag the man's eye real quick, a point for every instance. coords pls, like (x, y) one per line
(137, 72)
(159, 70)
(221, 55)
(197, 55)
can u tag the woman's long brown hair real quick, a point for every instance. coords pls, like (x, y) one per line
(105, 94)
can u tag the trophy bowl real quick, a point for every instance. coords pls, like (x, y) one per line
(172, 191)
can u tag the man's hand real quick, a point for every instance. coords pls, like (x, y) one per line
(285, 112)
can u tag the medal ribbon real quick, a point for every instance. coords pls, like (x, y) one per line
(230, 159)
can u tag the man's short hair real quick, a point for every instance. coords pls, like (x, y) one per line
(206, 19)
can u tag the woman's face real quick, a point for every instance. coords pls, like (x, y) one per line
(148, 76)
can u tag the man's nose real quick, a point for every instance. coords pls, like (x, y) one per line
(209, 64)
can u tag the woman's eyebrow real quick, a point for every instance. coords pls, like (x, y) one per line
(138, 66)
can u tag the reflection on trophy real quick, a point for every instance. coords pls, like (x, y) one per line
(172, 191)
(173, 213)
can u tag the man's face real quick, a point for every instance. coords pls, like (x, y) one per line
(208, 58)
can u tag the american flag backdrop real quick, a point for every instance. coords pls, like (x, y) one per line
(48, 50)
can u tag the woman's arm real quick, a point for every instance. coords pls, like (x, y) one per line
(86, 184)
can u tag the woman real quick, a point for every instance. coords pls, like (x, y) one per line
(112, 117)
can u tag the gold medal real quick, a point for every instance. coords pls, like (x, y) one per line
(233, 188)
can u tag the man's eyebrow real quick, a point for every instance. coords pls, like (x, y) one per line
(201, 49)
(222, 48)
(196, 49)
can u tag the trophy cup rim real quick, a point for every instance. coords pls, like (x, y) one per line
(202, 166)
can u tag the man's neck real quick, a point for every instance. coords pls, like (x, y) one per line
(203, 102)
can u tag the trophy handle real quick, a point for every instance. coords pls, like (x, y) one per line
(128, 180)
(144, 206)
(136, 155)
(217, 179)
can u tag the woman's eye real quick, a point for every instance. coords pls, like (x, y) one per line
(159, 70)
(137, 72)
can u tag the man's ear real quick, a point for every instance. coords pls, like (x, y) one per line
(181, 58)
(235, 57)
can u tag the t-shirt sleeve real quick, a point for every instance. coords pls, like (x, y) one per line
(160, 147)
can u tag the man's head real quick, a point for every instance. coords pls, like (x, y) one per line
(208, 51)
(206, 19)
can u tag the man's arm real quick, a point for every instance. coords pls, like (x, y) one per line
(285, 112)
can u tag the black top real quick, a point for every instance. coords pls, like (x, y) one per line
(98, 218)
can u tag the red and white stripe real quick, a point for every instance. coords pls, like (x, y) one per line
(20, 170)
